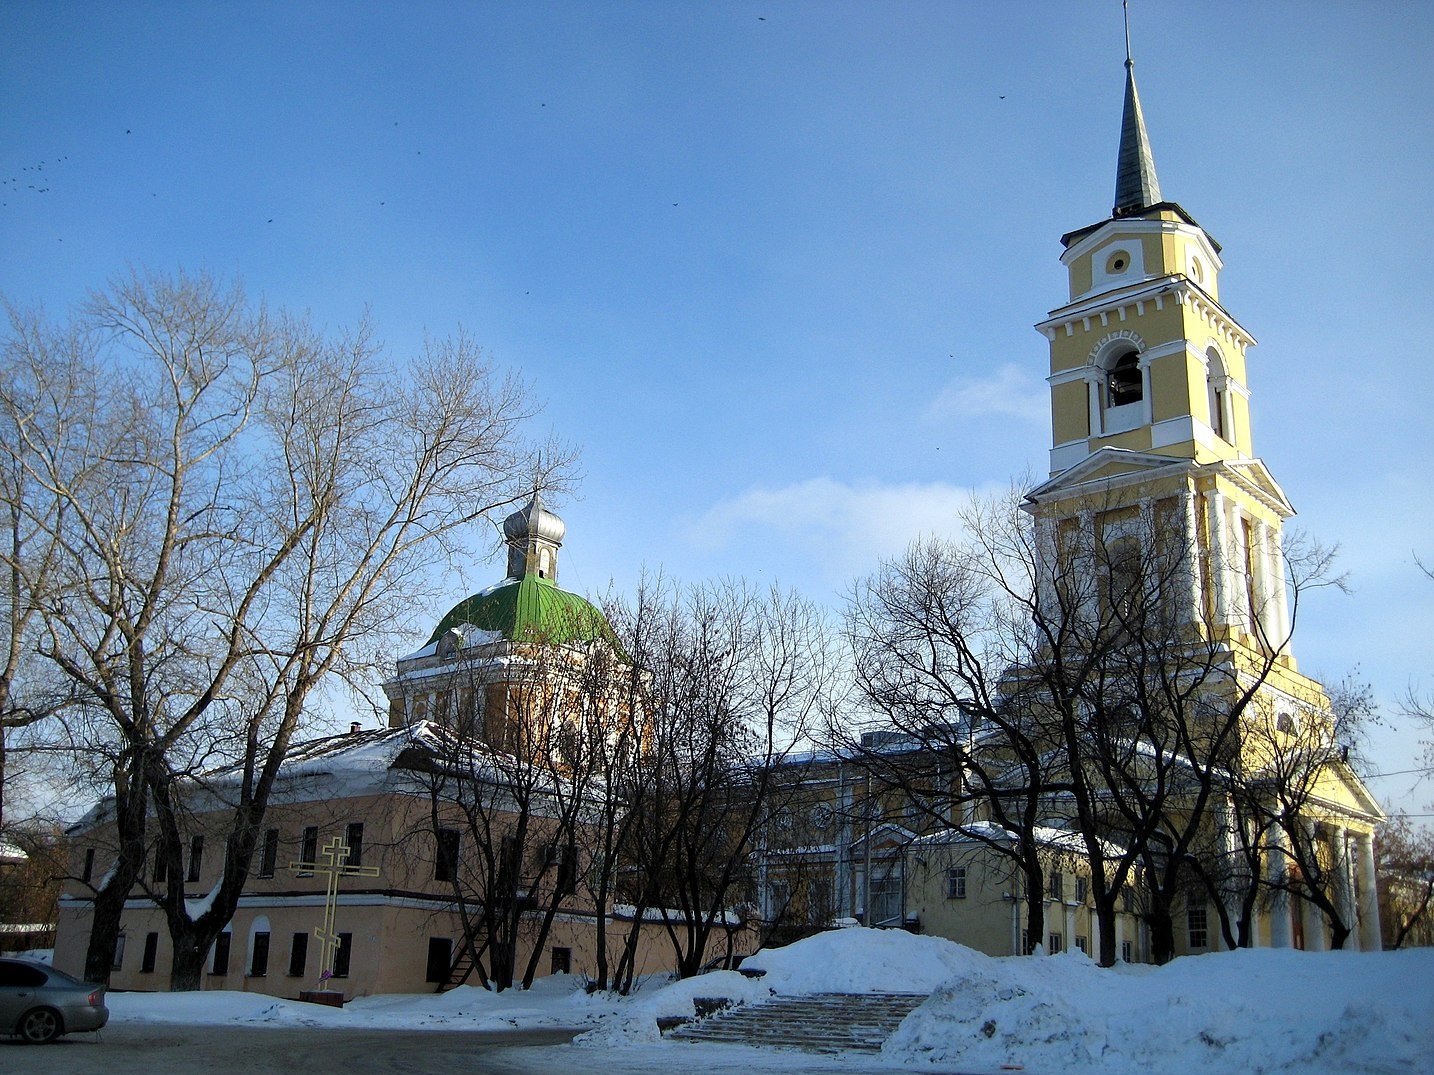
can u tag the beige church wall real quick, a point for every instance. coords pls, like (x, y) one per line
(983, 919)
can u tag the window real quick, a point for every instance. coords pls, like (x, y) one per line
(1056, 945)
(1124, 381)
(1125, 952)
(21, 975)
(1083, 944)
(1127, 900)
(89, 868)
(440, 959)
(1026, 947)
(1056, 886)
(196, 857)
(354, 838)
(1196, 923)
(220, 966)
(309, 847)
(259, 956)
(1217, 383)
(298, 955)
(269, 857)
(956, 883)
(445, 863)
(343, 954)
(562, 961)
(119, 952)
(567, 881)
(151, 951)
(160, 873)
(1082, 888)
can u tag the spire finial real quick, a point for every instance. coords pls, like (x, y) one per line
(1135, 184)
(1125, 9)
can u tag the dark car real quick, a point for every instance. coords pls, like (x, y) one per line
(39, 1003)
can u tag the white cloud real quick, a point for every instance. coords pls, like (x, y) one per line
(1011, 391)
(828, 530)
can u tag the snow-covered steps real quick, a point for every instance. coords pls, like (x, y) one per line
(819, 1022)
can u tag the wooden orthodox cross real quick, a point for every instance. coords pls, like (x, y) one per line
(334, 864)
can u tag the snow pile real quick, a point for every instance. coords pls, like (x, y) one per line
(1236, 1012)
(557, 1001)
(864, 961)
(843, 961)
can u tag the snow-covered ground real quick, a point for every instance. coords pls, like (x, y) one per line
(1240, 1012)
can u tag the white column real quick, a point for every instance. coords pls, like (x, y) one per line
(1219, 556)
(1258, 560)
(1194, 588)
(1316, 927)
(1095, 397)
(1279, 599)
(1344, 886)
(1370, 938)
(1282, 932)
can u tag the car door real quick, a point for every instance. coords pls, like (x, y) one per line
(17, 991)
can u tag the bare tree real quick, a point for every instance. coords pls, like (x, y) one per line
(733, 681)
(934, 634)
(252, 507)
(1406, 883)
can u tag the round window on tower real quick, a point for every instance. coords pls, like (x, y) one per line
(1197, 271)
(1117, 263)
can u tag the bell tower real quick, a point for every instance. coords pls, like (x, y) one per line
(1150, 411)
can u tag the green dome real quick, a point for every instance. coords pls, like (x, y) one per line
(532, 609)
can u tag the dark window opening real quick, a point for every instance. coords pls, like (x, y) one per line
(562, 961)
(440, 959)
(269, 858)
(151, 952)
(309, 847)
(298, 955)
(221, 954)
(196, 857)
(354, 838)
(1124, 380)
(161, 865)
(445, 865)
(259, 957)
(119, 952)
(89, 868)
(343, 954)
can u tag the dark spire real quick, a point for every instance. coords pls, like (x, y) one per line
(1135, 184)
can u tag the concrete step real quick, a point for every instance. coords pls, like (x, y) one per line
(819, 1022)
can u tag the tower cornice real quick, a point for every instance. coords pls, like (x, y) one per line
(1114, 307)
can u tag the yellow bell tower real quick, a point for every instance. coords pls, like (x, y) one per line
(1153, 474)
(1150, 399)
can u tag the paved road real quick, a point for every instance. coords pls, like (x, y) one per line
(138, 1049)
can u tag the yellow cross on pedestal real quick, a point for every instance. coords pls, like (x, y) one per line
(335, 856)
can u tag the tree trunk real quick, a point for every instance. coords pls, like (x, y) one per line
(186, 972)
(1105, 917)
(1162, 930)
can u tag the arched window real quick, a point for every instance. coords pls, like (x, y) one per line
(1123, 381)
(1216, 379)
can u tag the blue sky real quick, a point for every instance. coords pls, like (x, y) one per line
(773, 266)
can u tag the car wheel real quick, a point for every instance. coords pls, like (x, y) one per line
(39, 1026)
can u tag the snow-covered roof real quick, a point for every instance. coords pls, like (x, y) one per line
(987, 832)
